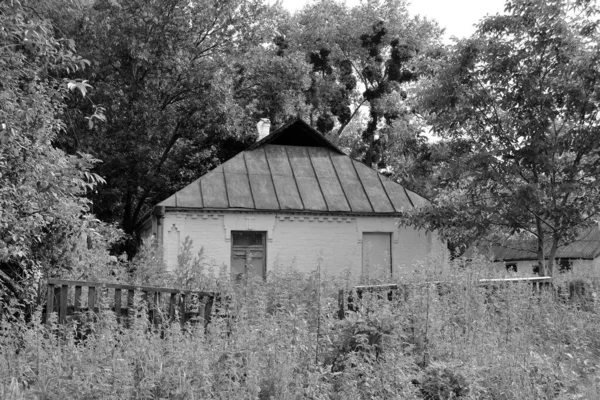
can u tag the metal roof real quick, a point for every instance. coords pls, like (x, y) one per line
(585, 246)
(294, 169)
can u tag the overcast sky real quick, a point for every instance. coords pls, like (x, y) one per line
(457, 16)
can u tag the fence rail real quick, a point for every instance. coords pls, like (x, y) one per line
(348, 299)
(188, 304)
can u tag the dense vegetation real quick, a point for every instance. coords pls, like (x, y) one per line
(282, 340)
(108, 106)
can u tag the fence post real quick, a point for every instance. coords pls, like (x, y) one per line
(91, 298)
(62, 312)
(77, 300)
(342, 304)
(50, 302)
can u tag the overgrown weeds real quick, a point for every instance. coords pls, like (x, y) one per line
(276, 341)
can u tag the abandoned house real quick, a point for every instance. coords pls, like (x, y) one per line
(293, 198)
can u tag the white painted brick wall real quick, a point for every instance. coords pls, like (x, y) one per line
(299, 239)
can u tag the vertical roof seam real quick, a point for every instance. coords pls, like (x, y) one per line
(316, 177)
(287, 157)
(339, 180)
(407, 195)
(271, 175)
(248, 177)
(201, 194)
(386, 192)
(362, 184)
(225, 183)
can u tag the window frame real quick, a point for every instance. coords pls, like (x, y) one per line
(233, 248)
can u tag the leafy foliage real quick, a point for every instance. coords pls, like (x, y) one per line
(44, 212)
(522, 97)
(478, 345)
(364, 61)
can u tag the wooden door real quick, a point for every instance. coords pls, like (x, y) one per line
(248, 254)
(377, 253)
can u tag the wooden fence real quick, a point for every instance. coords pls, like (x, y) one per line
(66, 299)
(349, 300)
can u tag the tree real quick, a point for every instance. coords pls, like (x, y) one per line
(159, 67)
(523, 96)
(44, 214)
(364, 61)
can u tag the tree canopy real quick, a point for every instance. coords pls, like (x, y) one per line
(522, 96)
(44, 211)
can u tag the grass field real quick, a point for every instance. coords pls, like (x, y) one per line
(284, 341)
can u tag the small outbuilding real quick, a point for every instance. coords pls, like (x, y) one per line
(520, 256)
(293, 198)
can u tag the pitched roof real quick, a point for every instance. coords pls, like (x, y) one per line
(295, 169)
(585, 246)
(296, 133)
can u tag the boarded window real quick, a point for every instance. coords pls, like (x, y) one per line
(377, 254)
(248, 254)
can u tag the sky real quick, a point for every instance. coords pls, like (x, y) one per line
(457, 16)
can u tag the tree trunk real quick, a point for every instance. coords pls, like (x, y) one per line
(128, 223)
(540, 248)
(552, 254)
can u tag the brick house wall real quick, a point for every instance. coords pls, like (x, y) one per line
(293, 239)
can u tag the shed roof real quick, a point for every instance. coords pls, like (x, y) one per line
(295, 169)
(586, 246)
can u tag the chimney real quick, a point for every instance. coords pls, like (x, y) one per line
(263, 126)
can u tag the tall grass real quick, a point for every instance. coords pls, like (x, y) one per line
(281, 339)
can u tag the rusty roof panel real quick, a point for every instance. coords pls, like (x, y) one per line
(308, 186)
(213, 189)
(238, 191)
(263, 192)
(291, 173)
(236, 165)
(261, 181)
(278, 160)
(170, 201)
(417, 200)
(300, 162)
(374, 188)
(283, 178)
(321, 162)
(328, 181)
(353, 188)
(397, 194)
(333, 194)
(256, 162)
(311, 194)
(189, 196)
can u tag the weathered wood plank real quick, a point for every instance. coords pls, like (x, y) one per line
(59, 282)
(182, 309)
(49, 302)
(118, 293)
(91, 298)
(172, 300)
(62, 315)
(130, 310)
(77, 300)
